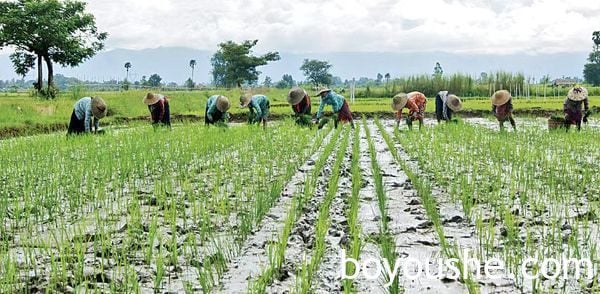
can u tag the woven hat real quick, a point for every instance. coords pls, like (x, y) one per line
(295, 95)
(323, 90)
(577, 94)
(500, 97)
(399, 101)
(150, 98)
(454, 102)
(223, 103)
(244, 100)
(98, 107)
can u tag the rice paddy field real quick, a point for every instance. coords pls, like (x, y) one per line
(449, 208)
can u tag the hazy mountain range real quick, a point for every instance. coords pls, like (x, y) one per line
(172, 64)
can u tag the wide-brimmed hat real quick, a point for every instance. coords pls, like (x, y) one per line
(500, 97)
(454, 102)
(223, 103)
(322, 90)
(399, 101)
(98, 107)
(295, 95)
(151, 98)
(577, 94)
(244, 100)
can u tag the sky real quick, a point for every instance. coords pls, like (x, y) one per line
(315, 26)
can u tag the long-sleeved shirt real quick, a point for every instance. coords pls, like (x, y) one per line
(332, 98)
(302, 108)
(83, 111)
(416, 105)
(572, 109)
(158, 110)
(212, 110)
(259, 104)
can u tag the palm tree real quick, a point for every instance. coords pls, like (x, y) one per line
(127, 67)
(193, 65)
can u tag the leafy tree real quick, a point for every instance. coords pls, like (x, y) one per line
(233, 63)
(268, 82)
(591, 70)
(379, 78)
(154, 80)
(127, 67)
(189, 83)
(287, 81)
(49, 31)
(193, 65)
(317, 72)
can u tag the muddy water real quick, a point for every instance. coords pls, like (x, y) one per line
(254, 255)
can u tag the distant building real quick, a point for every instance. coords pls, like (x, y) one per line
(564, 82)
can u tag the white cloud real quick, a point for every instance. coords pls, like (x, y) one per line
(480, 26)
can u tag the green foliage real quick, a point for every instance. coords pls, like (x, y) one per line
(154, 80)
(317, 72)
(52, 30)
(437, 70)
(591, 73)
(286, 82)
(234, 65)
(190, 84)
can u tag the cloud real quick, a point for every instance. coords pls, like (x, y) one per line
(480, 26)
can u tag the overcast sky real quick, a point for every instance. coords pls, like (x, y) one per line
(478, 26)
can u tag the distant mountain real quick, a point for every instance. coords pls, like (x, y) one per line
(172, 64)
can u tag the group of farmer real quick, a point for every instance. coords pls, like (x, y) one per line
(89, 110)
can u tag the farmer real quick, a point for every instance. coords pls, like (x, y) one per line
(572, 107)
(158, 105)
(445, 105)
(339, 105)
(416, 102)
(258, 106)
(216, 110)
(84, 111)
(502, 108)
(300, 102)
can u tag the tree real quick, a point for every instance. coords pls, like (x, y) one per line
(287, 81)
(379, 78)
(317, 72)
(233, 63)
(268, 82)
(51, 31)
(189, 83)
(127, 67)
(154, 80)
(437, 70)
(193, 65)
(591, 70)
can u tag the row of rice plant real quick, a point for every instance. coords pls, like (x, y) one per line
(530, 194)
(138, 207)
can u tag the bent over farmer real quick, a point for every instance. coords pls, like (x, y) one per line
(572, 107)
(502, 108)
(86, 110)
(416, 102)
(300, 102)
(216, 110)
(339, 105)
(160, 112)
(258, 106)
(445, 105)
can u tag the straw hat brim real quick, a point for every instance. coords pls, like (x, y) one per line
(244, 101)
(500, 97)
(322, 91)
(454, 102)
(223, 104)
(99, 108)
(399, 101)
(579, 95)
(295, 96)
(151, 99)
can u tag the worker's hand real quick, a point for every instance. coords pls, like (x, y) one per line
(585, 120)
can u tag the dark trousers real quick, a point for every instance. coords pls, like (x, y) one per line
(216, 117)
(76, 126)
(439, 109)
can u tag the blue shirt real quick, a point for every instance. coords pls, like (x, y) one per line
(211, 106)
(83, 111)
(260, 105)
(332, 98)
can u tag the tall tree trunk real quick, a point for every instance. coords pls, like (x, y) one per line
(40, 78)
(50, 76)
